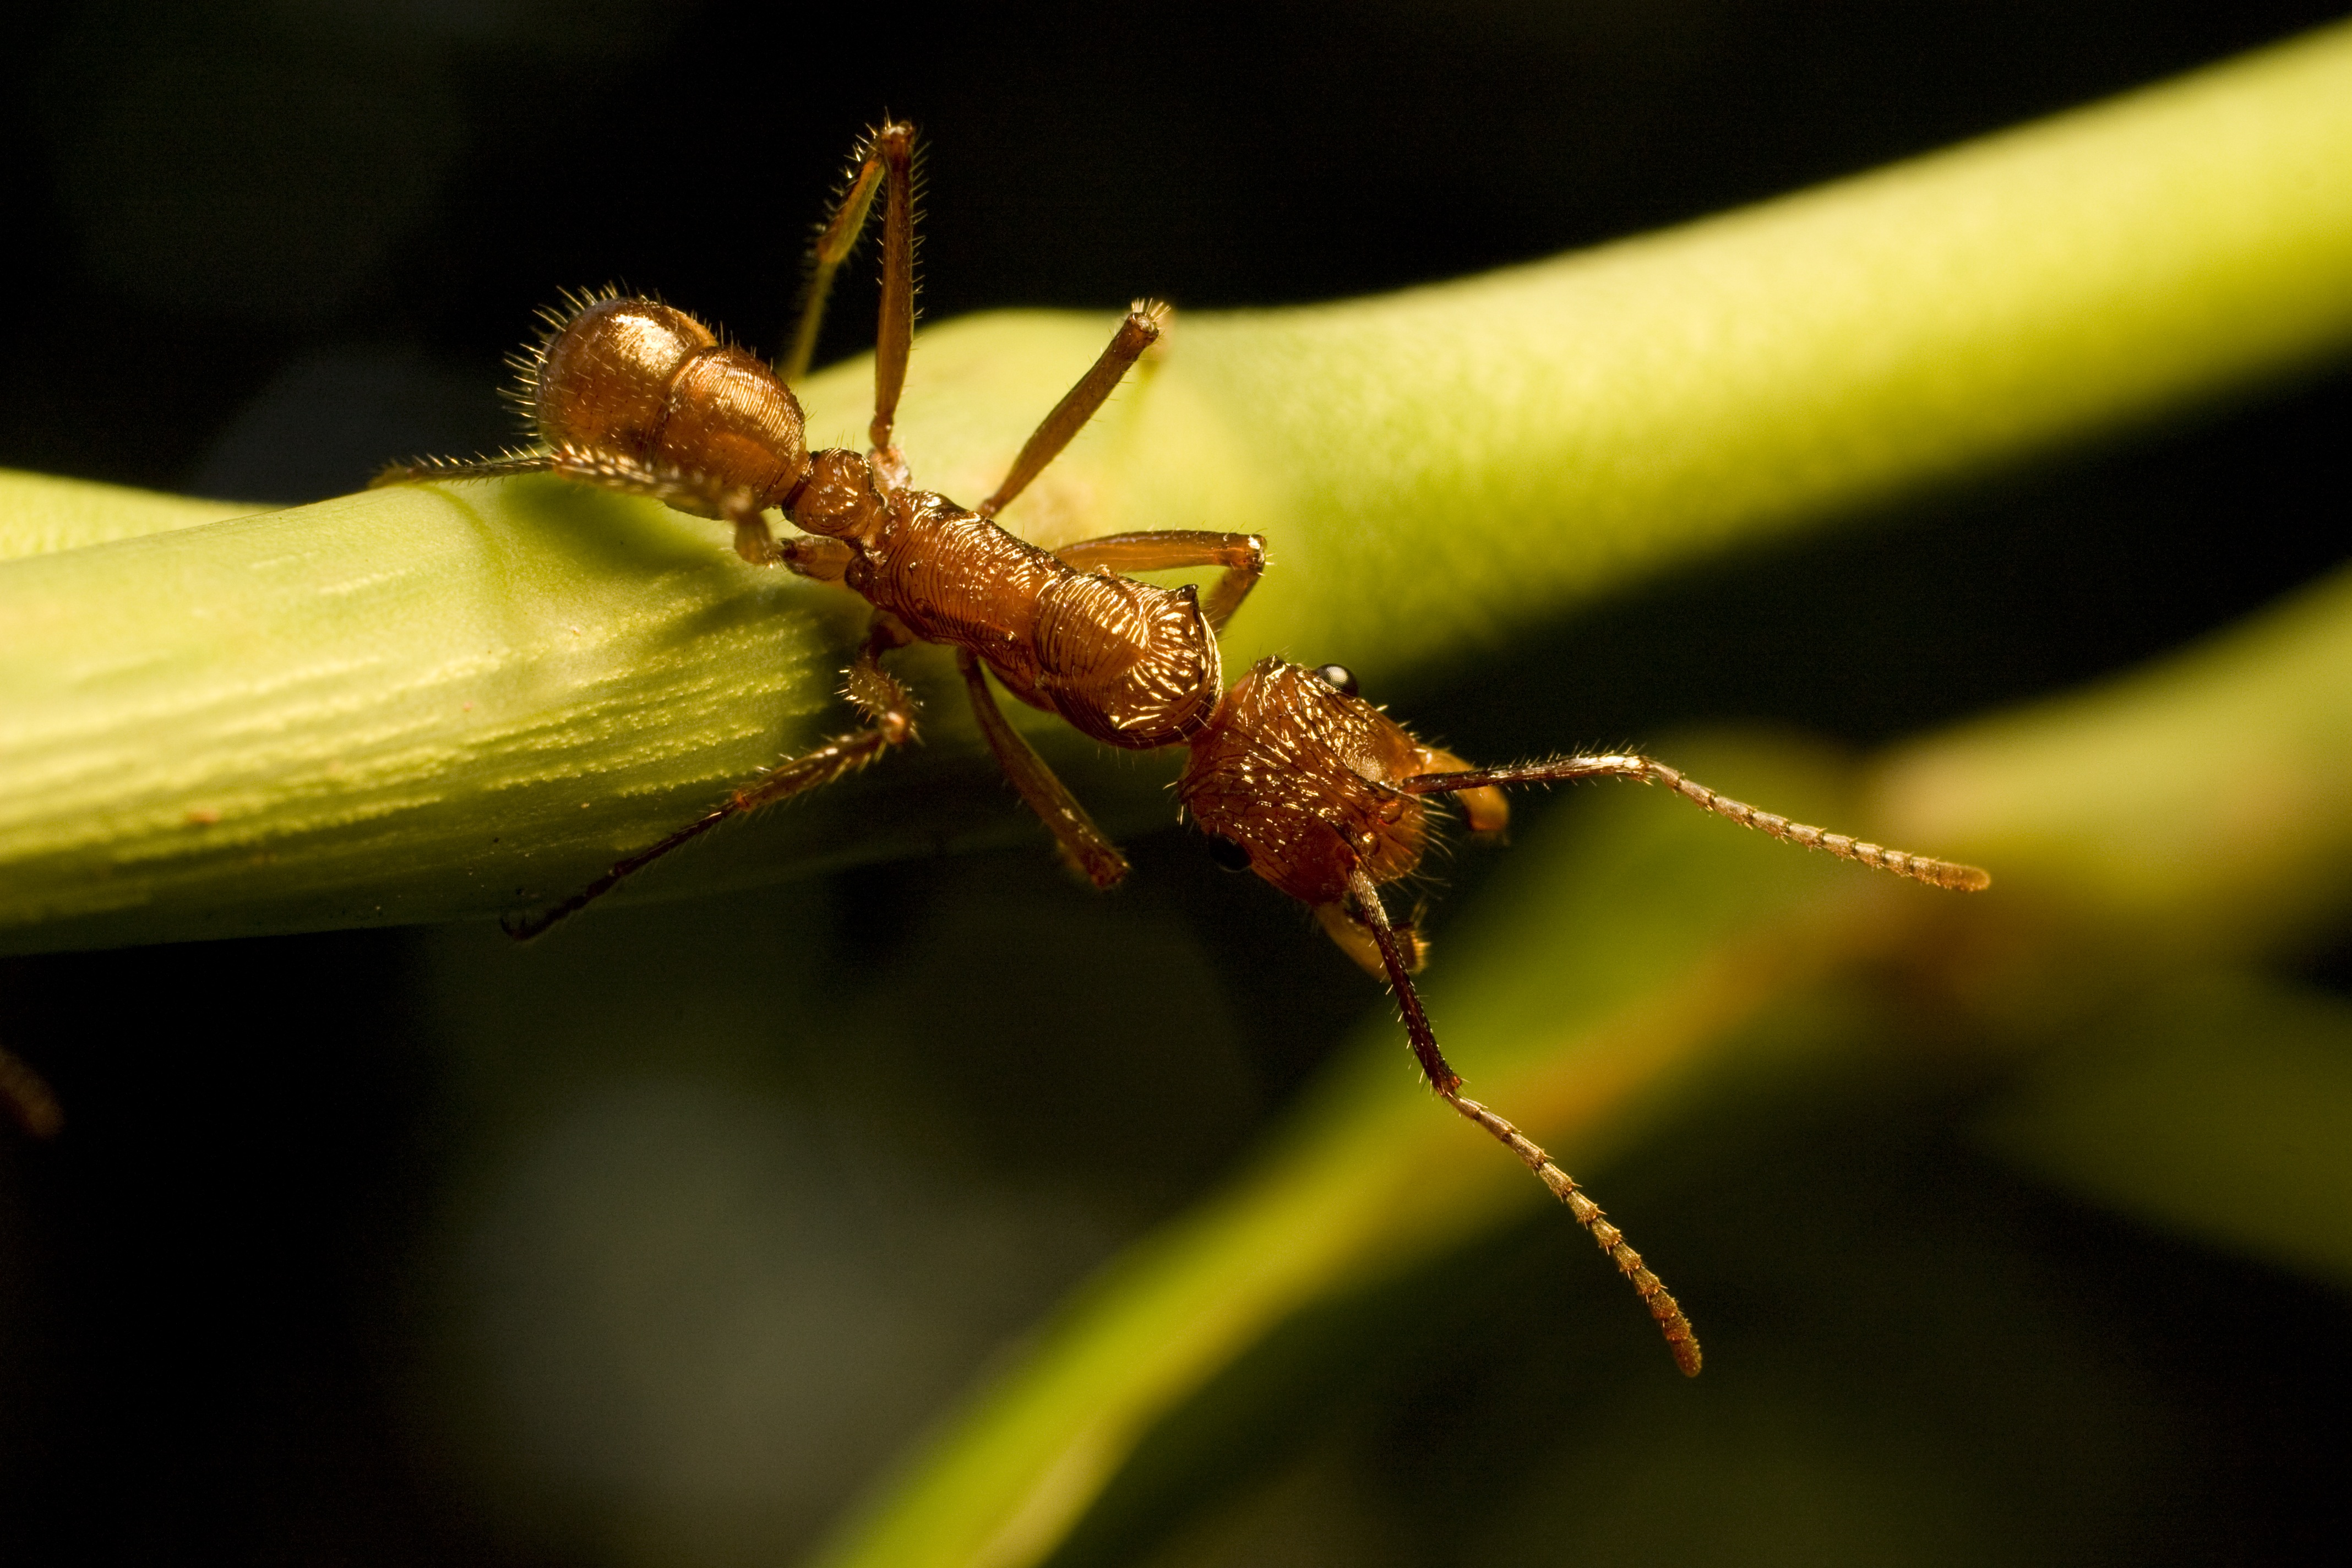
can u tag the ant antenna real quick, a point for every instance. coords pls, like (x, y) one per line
(1918, 867)
(1680, 1341)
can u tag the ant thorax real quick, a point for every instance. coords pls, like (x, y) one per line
(1124, 662)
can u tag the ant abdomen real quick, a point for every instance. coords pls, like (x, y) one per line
(640, 379)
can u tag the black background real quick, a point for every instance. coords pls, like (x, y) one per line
(256, 250)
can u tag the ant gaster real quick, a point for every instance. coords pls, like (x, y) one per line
(1295, 777)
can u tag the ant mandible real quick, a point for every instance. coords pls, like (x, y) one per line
(1294, 776)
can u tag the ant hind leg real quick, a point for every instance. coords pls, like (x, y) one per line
(440, 470)
(688, 492)
(835, 241)
(889, 712)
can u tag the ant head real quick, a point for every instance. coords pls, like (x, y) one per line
(1292, 772)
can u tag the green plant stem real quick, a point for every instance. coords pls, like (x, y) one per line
(431, 703)
(40, 515)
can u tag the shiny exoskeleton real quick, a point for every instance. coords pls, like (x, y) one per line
(1296, 775)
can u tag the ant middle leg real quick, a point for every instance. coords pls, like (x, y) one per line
(1243, 556)
(888, 708)
(1145, 320)
(1085, 846)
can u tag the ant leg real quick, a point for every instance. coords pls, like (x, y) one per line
(895, 146)
(1918, 867)
(807, 555)
(889, 712)
(438, 470)
(833, 243)
(819, 559)
(1680, 1339)
(698, 495)
(1243, 556)
(1085, 846)
(1141, 329)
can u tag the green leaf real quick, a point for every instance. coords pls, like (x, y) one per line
(439, 702)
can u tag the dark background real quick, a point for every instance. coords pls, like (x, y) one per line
(258, 249)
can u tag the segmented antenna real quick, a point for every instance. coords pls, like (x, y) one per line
(1918, 867)
(1681, 1342)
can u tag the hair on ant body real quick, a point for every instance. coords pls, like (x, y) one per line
(1292, 773)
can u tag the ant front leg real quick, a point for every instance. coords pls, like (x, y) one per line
(1086, 847)
(1145, 320)
(1243, 556)
(809, 555)
(889, 712)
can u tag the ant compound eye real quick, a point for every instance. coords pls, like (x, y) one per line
(1228, 854)
(1339, 676)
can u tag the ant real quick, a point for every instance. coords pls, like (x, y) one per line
(1292, 773)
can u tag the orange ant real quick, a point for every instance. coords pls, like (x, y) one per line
(1293, 775)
